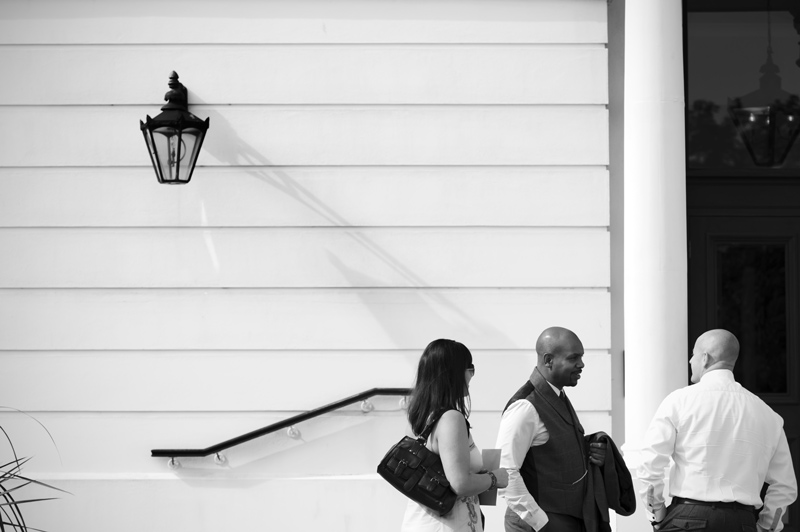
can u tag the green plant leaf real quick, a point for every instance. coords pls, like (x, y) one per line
(39, 483)
(37, 421)
(10, 512)
(14, 488)
(27, 501)
(21, 528)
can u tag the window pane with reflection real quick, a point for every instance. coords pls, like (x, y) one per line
(743, 101)
(751, 303)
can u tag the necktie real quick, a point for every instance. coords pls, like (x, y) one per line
(574, 418)
(564, 399)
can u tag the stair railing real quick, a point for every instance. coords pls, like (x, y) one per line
(289, 423)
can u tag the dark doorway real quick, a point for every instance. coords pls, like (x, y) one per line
(743, 193)
(744, 276)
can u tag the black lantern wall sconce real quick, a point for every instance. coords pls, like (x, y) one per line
(174, 137)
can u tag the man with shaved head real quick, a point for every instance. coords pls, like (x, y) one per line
(542, 442)
(725, 443)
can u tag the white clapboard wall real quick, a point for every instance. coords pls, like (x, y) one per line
(377, 174)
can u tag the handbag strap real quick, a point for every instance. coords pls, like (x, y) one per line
(423, 436)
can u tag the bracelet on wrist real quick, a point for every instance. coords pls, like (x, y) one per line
(494, 481)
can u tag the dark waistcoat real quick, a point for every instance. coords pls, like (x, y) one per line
(554, 473)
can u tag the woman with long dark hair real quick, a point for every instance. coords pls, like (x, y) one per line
(442, 389)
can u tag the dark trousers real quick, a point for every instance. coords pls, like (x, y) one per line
(555, 523)
(720, 517)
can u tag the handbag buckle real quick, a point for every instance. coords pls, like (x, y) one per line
(400, 467)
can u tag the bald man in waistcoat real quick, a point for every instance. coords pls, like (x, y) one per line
(542, 442)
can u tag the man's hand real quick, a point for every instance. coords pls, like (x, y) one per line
(597, 453)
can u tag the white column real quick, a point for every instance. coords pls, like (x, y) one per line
(655, 217)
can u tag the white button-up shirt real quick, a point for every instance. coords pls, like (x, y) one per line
(520, 429)
(725, 443)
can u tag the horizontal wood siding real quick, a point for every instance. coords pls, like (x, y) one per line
(377, 174)
(318, 135)
(274, 196)
(314, 74)
(255, 486)
(302, 22)
(303, 258)
(135, 380)
(127, 434)
(294, 319)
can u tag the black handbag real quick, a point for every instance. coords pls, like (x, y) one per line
(417, 472)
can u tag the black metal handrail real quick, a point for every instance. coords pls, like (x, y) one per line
(286, 423)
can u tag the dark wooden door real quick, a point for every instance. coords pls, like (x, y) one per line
(744, 276)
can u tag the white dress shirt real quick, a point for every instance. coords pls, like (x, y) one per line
(520, 429)
(725, 443)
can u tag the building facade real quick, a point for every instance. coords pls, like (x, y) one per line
(376, 175)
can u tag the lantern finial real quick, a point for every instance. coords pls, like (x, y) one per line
(177, 96)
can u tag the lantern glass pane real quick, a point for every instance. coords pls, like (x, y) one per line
(192, 140)
(168, 143)
(151, 149)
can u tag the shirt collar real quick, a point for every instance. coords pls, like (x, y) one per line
(718, 375)
(555, 388)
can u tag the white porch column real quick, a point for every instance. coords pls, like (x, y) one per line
(655, 218)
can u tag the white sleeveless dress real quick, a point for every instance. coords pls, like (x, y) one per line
(465, 515)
